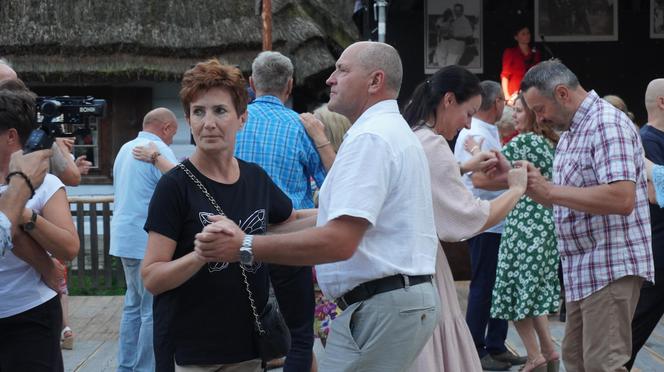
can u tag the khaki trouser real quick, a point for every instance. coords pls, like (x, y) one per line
(253, 365)
(598, 331)
(384, 333)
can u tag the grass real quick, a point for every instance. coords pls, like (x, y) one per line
(86, 287)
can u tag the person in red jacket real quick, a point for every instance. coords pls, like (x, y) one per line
(516, 61)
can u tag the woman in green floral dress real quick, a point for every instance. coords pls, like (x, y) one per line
(527, 287)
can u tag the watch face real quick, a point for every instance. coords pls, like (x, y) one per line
(246, 257)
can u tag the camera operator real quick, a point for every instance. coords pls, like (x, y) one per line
(63, 164)
(30, 313)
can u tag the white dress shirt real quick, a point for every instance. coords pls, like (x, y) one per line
(381, 175)
(489, 132)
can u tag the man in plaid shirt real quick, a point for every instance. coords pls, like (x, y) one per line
(275, 139)
(600, 204)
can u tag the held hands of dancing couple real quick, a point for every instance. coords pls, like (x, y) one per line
(495, 166)
(220, 241)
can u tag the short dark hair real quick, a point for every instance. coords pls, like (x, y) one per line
(212, 74)
(426, 97)
(17, 108)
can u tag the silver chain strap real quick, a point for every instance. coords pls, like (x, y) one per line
(252, 303)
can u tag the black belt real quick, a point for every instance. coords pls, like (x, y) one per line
(368, 289)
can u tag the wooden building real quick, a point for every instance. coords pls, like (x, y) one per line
(133, 53)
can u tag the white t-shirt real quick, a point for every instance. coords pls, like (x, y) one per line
(380, 174)
(480, 129)
(21, 287)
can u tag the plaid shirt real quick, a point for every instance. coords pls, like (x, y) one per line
(601, 146)
(274, 138)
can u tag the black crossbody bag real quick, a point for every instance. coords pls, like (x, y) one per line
(272, 336)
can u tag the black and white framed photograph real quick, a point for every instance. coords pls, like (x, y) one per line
(576, 20)
(453, 35)
(657, 19)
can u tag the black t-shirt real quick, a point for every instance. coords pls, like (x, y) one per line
(653, 145)
(207, 319)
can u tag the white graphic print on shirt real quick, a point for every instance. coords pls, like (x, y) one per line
(255, 223)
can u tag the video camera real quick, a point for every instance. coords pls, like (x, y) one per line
(75, 110)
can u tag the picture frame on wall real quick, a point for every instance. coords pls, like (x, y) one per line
(657, 19)
(453, 35)
(576, 20)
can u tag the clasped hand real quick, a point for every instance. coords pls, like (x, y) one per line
(220, 241)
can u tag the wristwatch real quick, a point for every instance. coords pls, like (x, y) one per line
(246, 253)
(30, 224)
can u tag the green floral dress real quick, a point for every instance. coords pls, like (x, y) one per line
(527, 275)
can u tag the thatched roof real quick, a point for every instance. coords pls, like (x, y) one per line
(127, 40)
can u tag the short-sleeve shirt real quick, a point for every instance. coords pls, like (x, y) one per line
(133, 184)
(480, 129)
(21, 286)
(653, 144)
(207, 319)
(381, 175)
(601, 147)
(274, 138)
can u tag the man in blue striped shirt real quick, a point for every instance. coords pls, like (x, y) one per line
(274, 138)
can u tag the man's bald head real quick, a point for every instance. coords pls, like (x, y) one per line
(380, 56)
(6, 72)
(162, 123)
(655, 96)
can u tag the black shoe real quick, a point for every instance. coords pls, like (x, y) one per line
(509, 357)
(490, 364)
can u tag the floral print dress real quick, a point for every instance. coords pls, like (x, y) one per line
(527, 275)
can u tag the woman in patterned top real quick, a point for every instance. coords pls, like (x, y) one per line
(527, 287)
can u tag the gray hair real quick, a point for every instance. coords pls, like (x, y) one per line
(490, 91)
(4, 62)
(381, 56)
(546, 76)
(271, 71)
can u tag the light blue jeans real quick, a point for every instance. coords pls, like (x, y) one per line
(135, 352)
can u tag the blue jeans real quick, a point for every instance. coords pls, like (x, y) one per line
(135, 352)
(488, 334)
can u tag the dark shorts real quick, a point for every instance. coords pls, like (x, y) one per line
(30, 341)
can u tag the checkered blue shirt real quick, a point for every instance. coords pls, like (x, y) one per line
(274, 138)
(601, 146)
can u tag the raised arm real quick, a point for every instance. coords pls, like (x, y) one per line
(33, 166)
(54, 230)
(151, 154)
(316, 131)
(64, 165)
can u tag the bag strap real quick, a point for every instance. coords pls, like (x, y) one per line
(216, 206)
